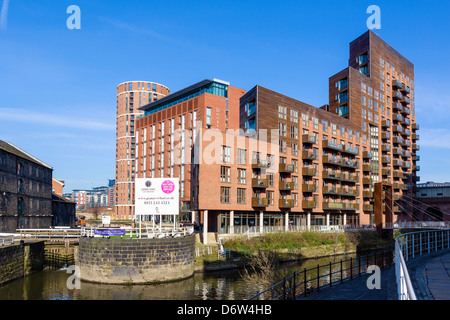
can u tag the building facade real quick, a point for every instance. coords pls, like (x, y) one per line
(130, 97)
(376, 93)
(169, 127)
(295, 164)
(25, 190)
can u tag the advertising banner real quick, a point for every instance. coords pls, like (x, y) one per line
(157, 196)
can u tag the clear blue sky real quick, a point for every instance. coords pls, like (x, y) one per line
(58, 86)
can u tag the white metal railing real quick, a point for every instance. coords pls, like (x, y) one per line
(254, 230)
(6, 240)
(411, 245)
(56, 233)
(417, 224)
(146, 232)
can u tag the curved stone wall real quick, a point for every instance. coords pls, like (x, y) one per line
(135, 261)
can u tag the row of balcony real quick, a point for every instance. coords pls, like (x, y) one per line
(306, 204)
(336, 175)
(340, 162)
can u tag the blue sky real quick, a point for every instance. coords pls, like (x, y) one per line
(58, 86)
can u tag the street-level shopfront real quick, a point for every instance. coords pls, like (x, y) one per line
(243, 221)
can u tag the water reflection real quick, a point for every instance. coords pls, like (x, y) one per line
(223, 285)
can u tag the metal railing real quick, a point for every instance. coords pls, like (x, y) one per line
(144, 232)
(417, 224)
(6, 240)
(412, 245)
(48, 234)
(256, 230)
(322, 276)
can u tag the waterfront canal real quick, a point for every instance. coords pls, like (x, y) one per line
(222, 285)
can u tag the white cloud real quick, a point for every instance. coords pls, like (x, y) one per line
(30, 116)
(4, 15)
(435, 138)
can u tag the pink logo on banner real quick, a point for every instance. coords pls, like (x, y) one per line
(167, 186)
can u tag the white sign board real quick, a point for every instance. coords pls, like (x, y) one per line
(106, 219)
(157, 196)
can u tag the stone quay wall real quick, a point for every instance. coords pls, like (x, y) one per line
(20, 260)
(135, 261)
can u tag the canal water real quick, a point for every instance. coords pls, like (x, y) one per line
(223, 285)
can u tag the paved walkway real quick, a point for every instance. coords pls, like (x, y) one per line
(430, 276)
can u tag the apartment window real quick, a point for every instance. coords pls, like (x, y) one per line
(363, 113)
(363, 100)
(282, 129)
(208, 116)
(241, 196)
(370, 91)
(324, 125)
(282, 145)
(382, 62)
(250, 108)
(294, 148)
(363, 87)
(315, 123)
(270, 197)
(381, 85)
(225, 194)
(363, 126)
(294, 116)
(3, 160)
(225, 174)
(241, 156)
(226, 154)
(382, 74)
(241, 176)
(294, 132)
(305, 119)
(370, 103)
(282, 112)
(269, 179)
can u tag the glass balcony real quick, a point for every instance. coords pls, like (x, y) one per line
(397, 128)
(308, 187)
(368, 194)
(286, 168)
(352, 150)
(286, 186)
(368, 207)
(309, 139)
(260, 202)
(415, 126)
(397, 84)
(386, 124)
(333, 205)
(309, 171)
(386, 159)
(397, 95)
(260, 183)
(367, 180)
(398, 117)
(386, 147)
(406, 110)
(307, 204)
(367, 168)
(398, 106)
(332, 175)
(406, 100)
(332, 145)
(397, 151)
(309, 155)
(261, 164)
(286, 203)
(415, 136)
(415, 147)
(350, 177)
(367, 155)
(385, 135)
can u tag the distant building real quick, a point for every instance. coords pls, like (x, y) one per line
(25, 190)
(63, 210)
(95, 197)
(57, 186)
(433, 201)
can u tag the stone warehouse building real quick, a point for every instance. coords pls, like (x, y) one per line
(25, 190)
(26, 197)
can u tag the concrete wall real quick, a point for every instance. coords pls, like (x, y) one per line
(20, 260)
(135, 261)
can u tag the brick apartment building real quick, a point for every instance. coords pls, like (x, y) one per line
(130, 97)
(294, 164)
